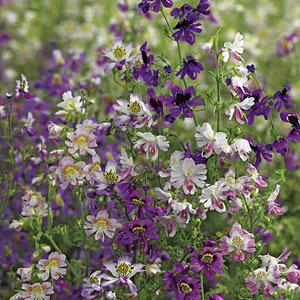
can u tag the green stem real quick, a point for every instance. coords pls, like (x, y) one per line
(202, 287)
(55, 246)
(218, 91)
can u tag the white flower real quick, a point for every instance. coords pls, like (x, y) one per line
(127, 162)
(69, 104)
(119, 52)
(108, 177)
(214, 195)
(234, 49)
(150, 144)
(207, 46)
(25, 274)
(242, 147)
(29, 121)
(211, 141)
(246, 104)
(188, 175)
(22, 85)
(54, 130)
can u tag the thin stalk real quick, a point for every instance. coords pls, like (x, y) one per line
(202, 287)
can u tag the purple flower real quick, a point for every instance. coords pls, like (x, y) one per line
(281, 146)
(139, 230)
(181, 100)
(172, 278)
(283, 98)
(191, 68)
(219, 296)
(154, 5)
(155, 103)
(251, 68)
(189, 288)
(210, 260)
(292, 118)
(185, 28)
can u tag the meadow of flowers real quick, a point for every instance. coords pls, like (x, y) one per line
(149, 149)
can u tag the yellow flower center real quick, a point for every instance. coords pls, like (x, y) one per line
(185, 288)
(56, 79)
(123, 269)
(36, 291)
(59, 201)
(53, 263)
(134, 107)
(138, 63)
(237, 241)
(82, 140)
(261, 275)
(138, 229)
(22, 84)
(93, 280)
(94, 168)
(101, 223)
(207, 258)
(137, 201)
(285, 44)
(119, 52)
(70, 170)
(110, 176)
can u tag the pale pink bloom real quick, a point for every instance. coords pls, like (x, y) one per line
(25, 274)
(255, 176)
(269, 260)
(88, 125)
(273, 207)
(239, 241)
(188, 175)
(207, 46)
(135, 112)
(214, 195)
(33, 204)
(154, 268)
(102, 225)
(58, 153)
(81, 140)
(37, 291)
(18, 296)
(287, 286)
(54, 265)
(242, 148)
(70, 172)
(234, 49)
(54, 130)
(292, 273)
(21, 85)
(170, 222)
(246, 104)
(211, 141)
(91, 284)
(17, 225)
(108, 177)
(183, 209)
(92, 168)
(127, 163)
(122, 272)
(151, 143)
(69, 104)
(262, 277)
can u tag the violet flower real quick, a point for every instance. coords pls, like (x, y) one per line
(190, 67)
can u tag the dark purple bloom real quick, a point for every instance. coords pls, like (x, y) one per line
(189, 288)
(168, 69)
(281, 146)
(251, 68)
(185, 28)
(139, 230)
(179, 13)
(197, 157)
(292, 118)
(155, 103)
(172, 278)
(283, 98)
(190, 67)
(154, 5)
(259, 150)
(210, 260)
(181, 100)
(203, 7)
(219, 296)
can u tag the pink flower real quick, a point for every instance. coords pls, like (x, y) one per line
(54, 130)
(90, 169)
(55, 264)
(239, 241)
(37, 291)
(70, 172)
(263, 277)
(25, 273)
(255, 176)
(292, 273)
(272, 206)
(102, 225)
(81, 140)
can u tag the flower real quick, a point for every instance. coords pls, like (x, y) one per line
(119, 54)
(263, 277)
(234, 49)
(81, 140)
(188, 175)
(242, 147)
(255, 176)
(69, 104)
(188, 288)
(3, 112)
(122, 271)
(214, 195)
(273, 207)
(150, 144)
(135, 112)
(190, 67)
(181, 100)
(246, 104)
(54, 130)
(22, 88)
(209, 259)
(205, 137)
(102, 225)
(283, 98)
(25, 273)
(33, 204)
(292, 273)
(37, 291)
(70, 172)
(239, 241)
(54, 265)
(92, 285)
